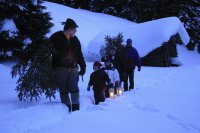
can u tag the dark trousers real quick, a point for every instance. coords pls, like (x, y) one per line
(129, 75)
(67, 81)
(99, 95)
(107, 92)
(122, 76)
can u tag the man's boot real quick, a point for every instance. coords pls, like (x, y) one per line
(131, 88)
(75, 107)
(69, 107)
(65, 100)
(125, 86)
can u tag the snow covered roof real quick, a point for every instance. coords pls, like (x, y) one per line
(146, 36)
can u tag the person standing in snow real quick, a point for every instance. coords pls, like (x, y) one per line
(131, 60)
(65, 61)
(98, 80)
(116, 58)
(113, 75)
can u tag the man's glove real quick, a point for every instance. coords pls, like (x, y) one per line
(82, 71)
(139, 68)
(88, 88)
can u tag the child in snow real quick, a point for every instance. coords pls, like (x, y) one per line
(113, 75)
(98, 80)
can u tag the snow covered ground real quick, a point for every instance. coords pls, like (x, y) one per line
(165, 99)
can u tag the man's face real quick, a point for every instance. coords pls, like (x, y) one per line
(129, 44)
(108, 63)
(72, 32)
(96, 68)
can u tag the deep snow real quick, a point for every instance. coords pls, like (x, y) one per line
(165, 99)
(93, 27)
(146, 36)
(90, 24)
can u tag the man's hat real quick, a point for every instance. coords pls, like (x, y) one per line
(129, 41)
(70, 23)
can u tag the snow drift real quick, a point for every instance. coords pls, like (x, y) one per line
(93, 27)
(90, 23)
(146, 36)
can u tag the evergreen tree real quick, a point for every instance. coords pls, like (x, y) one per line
(83, 4)
(111, 42)
(8, 38)
(63, 2)
(188, 12)
(31, 23)
(34, 58)
(129, 10)
(141, 11)
(112, 7)
(36, 77)
(99, 5)
(189, 15)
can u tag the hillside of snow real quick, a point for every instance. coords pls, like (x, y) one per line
(165, 100)
(93, 27)
(90, 24)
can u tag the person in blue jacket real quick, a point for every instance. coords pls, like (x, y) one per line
(131, 60)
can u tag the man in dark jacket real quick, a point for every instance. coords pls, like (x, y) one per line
(115, 55)
(131, 60)
(98, 80)
(65, 61)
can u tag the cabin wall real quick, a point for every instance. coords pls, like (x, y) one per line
(161, 56)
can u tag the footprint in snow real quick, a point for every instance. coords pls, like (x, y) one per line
(94, 108)
(182, 124)
(171, 117)
(143, 107)
(149, 108)
(103, 104)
